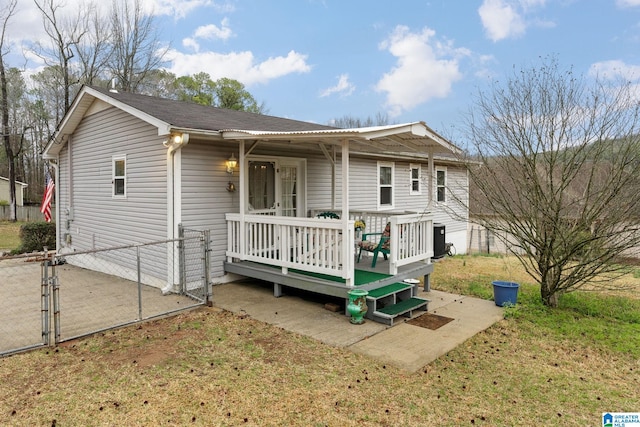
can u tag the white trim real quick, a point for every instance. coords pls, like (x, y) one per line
(115, 158)
(413, 166)
(379, 186)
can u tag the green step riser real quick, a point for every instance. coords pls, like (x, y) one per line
(387, 290)
(403, 306)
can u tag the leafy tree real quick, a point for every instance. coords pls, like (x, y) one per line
(223, 93)
(555, 172)
(231, 94)
(198, 88)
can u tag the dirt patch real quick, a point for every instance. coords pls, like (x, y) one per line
(430, 321)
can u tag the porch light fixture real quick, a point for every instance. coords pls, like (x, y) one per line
(175, 139)
(231, 164)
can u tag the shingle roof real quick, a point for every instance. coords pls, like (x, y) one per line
(189, 115)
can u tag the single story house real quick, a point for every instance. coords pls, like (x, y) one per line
(280, 197)
(4, 191)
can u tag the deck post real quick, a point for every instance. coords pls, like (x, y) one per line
(242, 231)
(347, 232)
(277, 290)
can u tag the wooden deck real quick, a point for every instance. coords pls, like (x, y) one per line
(327, 285)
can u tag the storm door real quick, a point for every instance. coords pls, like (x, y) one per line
(276, 187)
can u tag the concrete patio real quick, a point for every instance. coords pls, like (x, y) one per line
(405, 346)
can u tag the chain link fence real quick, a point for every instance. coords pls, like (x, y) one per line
(21, 299)
(46, 300)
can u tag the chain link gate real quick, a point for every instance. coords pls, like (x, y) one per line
(194, 252)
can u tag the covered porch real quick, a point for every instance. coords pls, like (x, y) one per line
(318, 253)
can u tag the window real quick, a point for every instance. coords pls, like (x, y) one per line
(414, 178)
(441, 185)
(119, 177)
(385, 185)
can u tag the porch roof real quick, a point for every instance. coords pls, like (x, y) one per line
(409, 138)
(168, 116)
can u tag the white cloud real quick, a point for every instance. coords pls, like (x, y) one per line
(615, 69)
(501, 20)
(181, 8)
(241, 66)
(213, 32)
(425, 69)
(627, 3)
(208, 32)
(344, 87)
(191, 43)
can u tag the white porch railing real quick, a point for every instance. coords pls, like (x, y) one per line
(317, 245)
(308, 244)
(411, 238)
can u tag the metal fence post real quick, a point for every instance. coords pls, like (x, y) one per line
(206, 262)
(53, 280)
(181, 257)
(45, 301)
(139, 283)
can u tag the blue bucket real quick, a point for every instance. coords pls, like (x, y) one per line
(505, 293)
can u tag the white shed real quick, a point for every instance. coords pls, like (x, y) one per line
(4, 191)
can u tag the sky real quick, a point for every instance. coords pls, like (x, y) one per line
(413, 60)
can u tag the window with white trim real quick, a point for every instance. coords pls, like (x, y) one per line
(119, 176)
(441, 185)
(414, 179)
(385, 185)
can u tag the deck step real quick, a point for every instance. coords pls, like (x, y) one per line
(403, 308)
(387, 290)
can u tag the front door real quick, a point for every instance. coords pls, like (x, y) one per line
(275, 186)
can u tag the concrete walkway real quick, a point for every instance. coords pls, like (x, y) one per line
(405, 346)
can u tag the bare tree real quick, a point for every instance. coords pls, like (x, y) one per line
(6, 12)
(65, 35)
(136, 47)
(347, 121)
(94, 49)
(556, 169)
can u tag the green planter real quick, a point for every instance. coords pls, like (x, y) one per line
(357, 306)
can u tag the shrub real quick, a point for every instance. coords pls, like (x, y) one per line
(36, 235)
(4, 203)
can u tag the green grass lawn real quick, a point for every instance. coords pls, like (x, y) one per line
(538, 366)
(10, 235)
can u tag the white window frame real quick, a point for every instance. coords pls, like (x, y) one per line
(412, 167)
(114, 177)
(443, 186)
(391, 186)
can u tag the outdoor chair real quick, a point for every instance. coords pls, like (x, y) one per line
(376, 247)
(331, 215)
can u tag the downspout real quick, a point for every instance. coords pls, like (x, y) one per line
(173, 144)
(430, 177)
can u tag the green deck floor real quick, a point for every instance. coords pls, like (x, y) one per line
(361, 277)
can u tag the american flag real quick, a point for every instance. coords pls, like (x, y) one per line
(48, 197)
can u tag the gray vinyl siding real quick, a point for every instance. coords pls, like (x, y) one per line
(205, 199)
(100, 220)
